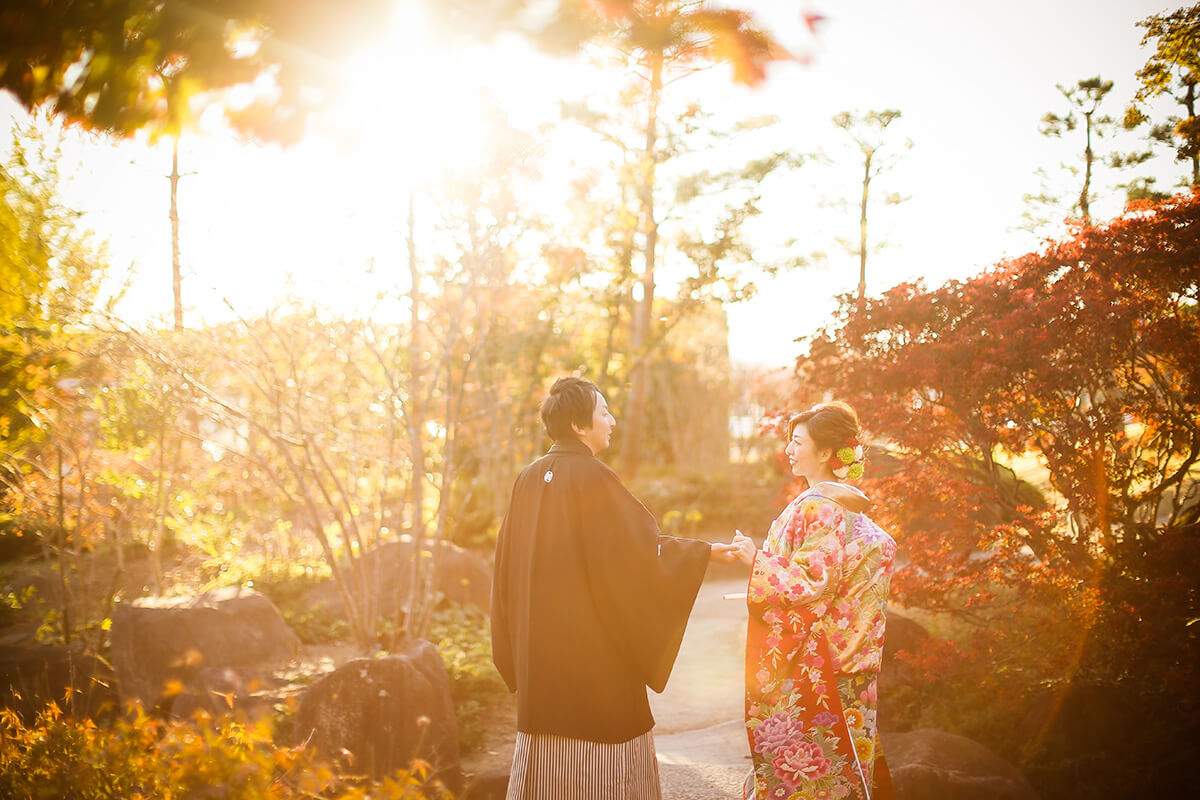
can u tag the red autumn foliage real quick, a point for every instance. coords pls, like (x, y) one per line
(1082, 355)
(1077, 367)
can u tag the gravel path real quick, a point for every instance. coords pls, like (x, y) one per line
(701, 744)
(708, 764)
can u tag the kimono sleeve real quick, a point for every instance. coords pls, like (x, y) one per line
(809, 567)
(642, 584)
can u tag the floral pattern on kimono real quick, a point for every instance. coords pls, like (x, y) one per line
(817, 599)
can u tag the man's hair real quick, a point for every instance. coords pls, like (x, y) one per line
(571, 400)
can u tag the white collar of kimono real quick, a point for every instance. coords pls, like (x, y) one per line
(814, 490)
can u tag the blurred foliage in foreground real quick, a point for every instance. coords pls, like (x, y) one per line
(136, 756)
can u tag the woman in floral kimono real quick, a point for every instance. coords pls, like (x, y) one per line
(818, 603)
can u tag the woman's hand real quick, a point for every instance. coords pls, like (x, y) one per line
(744, 548)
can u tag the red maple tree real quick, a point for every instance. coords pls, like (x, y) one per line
(1044, 417)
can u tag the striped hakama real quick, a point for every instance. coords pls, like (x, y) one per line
(550, 767)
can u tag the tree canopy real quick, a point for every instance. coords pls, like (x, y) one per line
(1173, 67)
(121, 66)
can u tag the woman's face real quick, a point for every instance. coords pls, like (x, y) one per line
(806, 459)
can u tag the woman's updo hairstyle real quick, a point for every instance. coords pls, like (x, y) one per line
(831, 425)
(834, 426)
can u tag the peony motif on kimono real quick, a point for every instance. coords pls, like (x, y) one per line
(800, 762)
(824, 719)
(772, 735)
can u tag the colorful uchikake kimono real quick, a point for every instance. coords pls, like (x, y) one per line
(818, 603)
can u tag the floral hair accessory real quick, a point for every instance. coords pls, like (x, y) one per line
(847, 461)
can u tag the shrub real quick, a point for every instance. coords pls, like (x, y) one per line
(463, 637)
(137, 757)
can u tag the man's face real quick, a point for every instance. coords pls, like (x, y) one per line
(599, 435)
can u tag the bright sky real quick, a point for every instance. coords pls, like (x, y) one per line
(972, 80)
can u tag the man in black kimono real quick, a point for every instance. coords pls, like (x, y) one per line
(589, 606)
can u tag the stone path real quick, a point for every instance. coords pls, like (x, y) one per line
(701, 744)
(702, 748)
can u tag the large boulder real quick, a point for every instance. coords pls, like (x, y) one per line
(385, 712)
(33, 675)
(900, 686)
(902, 633)
(463, 578)
(165, 649)
(929, 764)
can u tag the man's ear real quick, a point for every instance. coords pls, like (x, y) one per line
(578, 430)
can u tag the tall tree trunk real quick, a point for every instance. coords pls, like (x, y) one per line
(420, 626)
(65, 600)
(862, 228)
(643, 314)
(617, 304)
(176, 278)
(160, 511)
(614, 321)
(416, 422)
(1088, 157)
(1189, 102)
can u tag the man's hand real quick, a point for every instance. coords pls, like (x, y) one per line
(743, 548)
(722, 553)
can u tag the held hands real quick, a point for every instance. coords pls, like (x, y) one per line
(743, 548)
(740, 549)
(722, 553)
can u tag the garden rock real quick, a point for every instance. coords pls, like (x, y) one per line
(902, 634)
(163, 648)
(900, 685)
(929, 764)
(218, 690)
(385, 712)
(463, 578)
(32, 675)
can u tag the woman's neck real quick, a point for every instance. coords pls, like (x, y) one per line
(825, 476)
